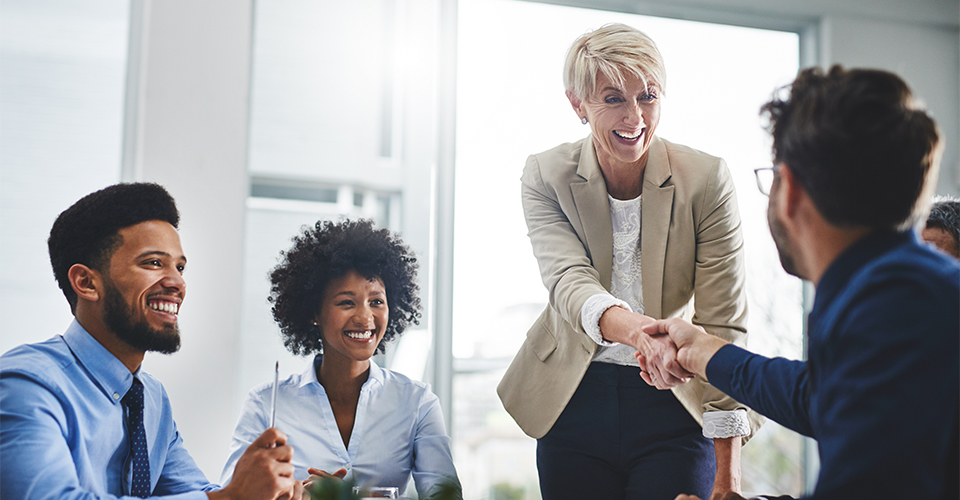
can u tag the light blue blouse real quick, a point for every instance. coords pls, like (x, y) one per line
(398, 430)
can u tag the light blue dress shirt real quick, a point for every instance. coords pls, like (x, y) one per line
(62, 431)
(398, 430)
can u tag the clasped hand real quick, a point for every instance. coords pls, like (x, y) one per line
(656, 352)
(676, 351)
(693, 346)
(659, 367)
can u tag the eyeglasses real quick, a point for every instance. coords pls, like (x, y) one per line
(765, 178)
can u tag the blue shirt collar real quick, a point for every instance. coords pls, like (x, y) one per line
(850, 261)
(111, 375)
(310, 374)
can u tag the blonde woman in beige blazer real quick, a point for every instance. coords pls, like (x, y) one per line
(626, 228)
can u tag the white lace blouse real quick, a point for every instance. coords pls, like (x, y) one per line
(626, 290)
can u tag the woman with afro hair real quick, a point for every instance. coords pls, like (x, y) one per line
(341, 293)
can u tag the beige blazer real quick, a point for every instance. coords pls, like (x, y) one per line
(691, 260)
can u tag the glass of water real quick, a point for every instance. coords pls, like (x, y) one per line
(376, 492)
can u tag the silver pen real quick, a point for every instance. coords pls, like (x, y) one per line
(273, 398)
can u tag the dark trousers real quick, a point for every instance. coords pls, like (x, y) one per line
(619, 438)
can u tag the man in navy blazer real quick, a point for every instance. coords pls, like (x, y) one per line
(856, 162)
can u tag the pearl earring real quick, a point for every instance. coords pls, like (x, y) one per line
(583, 120)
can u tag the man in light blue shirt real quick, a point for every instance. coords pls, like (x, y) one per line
(78, 416)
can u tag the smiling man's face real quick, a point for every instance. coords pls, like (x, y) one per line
(144, 287)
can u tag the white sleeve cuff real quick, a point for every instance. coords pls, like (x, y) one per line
(591, 311)
(725, 424)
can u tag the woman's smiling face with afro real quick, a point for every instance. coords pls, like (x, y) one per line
(327, 252)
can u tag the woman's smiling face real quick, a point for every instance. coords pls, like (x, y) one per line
(353, 317)
(622, 119)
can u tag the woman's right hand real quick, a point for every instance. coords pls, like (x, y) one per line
(316, 474)
(657, 354)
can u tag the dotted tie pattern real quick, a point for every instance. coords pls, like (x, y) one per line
(133, 402)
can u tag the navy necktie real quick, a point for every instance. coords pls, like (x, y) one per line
(133, 402)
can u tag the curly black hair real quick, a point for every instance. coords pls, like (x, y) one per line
(328, 251)
(87, 232)
(844, 129)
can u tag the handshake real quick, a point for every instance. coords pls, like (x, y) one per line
(672, 351)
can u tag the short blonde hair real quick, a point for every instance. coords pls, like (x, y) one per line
(612, 49)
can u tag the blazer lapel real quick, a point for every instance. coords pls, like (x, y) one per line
(656, 207)
(593, 208)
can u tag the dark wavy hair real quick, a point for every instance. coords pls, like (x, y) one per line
(328, 251)
(87, 232)
(858, 143)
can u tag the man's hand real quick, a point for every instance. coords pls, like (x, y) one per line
(695, 346)
(657, 354)
(264, 472)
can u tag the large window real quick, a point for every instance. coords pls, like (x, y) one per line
(510, 104)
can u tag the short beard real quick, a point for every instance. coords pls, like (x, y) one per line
(782, 240)
(139, 335)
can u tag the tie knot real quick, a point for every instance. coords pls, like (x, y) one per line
(134, 396)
